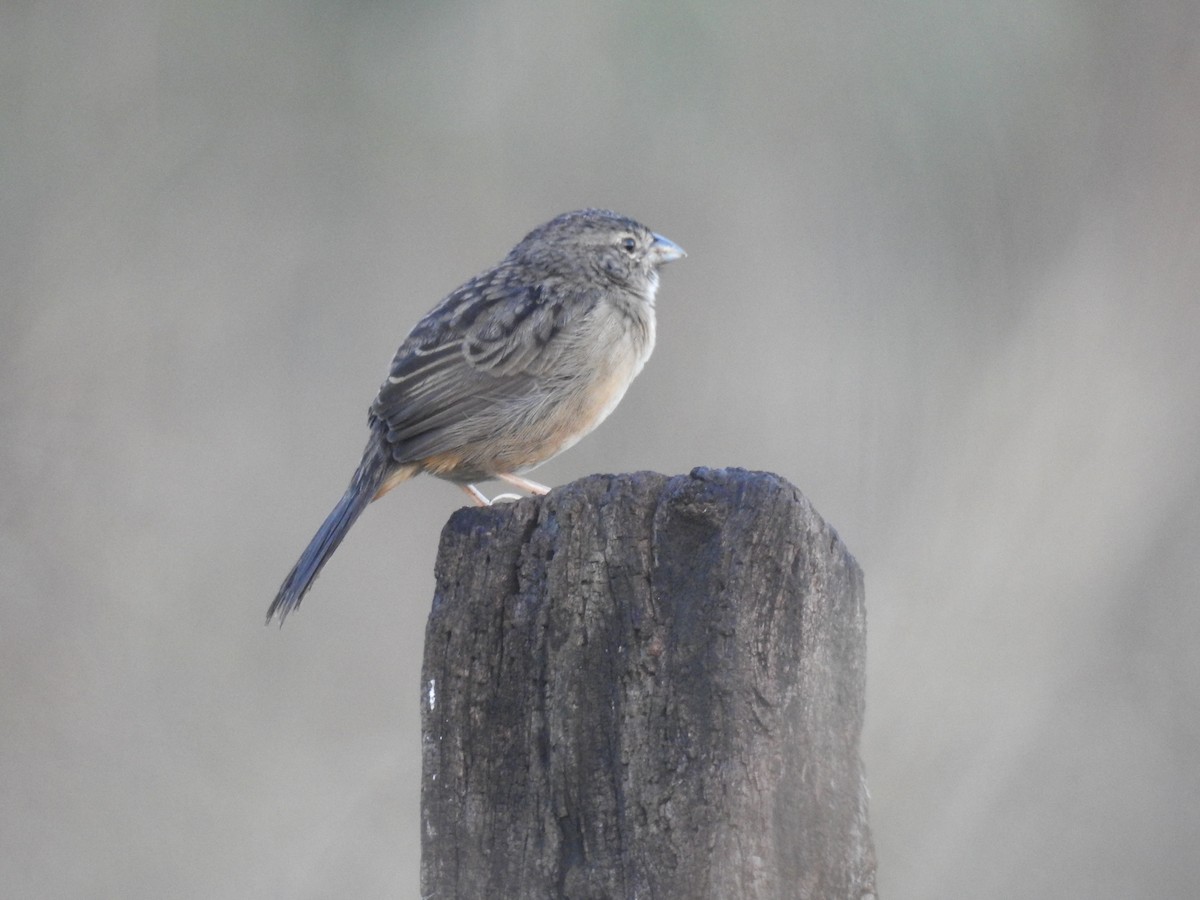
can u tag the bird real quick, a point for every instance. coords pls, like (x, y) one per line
(507, 371)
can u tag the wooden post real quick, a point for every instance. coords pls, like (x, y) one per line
(646, 687)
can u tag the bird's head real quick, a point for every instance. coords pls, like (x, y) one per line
(597, 243)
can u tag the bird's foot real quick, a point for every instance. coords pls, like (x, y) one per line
(516, 480)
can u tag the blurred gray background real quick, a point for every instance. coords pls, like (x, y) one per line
(943, 271)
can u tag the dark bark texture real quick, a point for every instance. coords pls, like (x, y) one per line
(646, 687)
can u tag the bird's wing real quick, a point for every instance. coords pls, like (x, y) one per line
(486, 345)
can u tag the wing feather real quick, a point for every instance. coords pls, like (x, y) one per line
(489, 343)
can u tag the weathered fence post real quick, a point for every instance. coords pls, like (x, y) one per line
(646, 687)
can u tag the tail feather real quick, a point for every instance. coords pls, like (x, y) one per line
(371, 474)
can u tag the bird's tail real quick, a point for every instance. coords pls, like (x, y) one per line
(376, 474)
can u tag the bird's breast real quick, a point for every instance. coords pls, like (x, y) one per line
(605, 362)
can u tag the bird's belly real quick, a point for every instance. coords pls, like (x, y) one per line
(575, 419)
(515, 440)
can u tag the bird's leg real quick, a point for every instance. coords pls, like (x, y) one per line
(525, 484)
(476, 494)
(516, 480)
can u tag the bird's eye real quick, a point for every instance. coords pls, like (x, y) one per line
(628, 245)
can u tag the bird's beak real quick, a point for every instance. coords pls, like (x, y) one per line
(663, 250)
